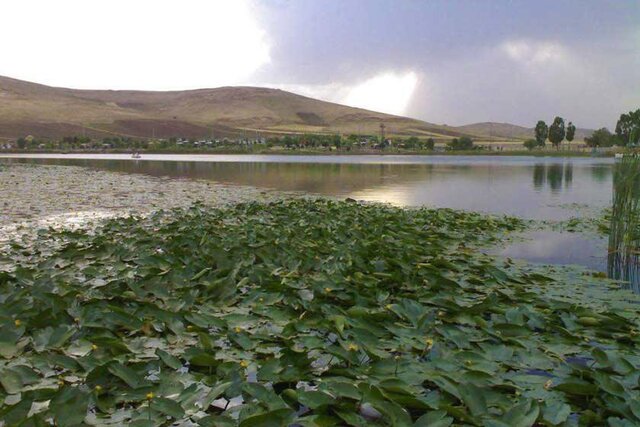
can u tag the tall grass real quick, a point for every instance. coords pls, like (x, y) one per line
(624, 239)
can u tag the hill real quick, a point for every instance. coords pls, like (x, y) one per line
(510, 131)
(49, 112)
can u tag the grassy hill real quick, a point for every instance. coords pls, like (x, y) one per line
(42, 111)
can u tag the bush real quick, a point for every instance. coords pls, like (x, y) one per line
(600, 138)
(463, 143)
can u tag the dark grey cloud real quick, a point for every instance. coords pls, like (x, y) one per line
(513, 61)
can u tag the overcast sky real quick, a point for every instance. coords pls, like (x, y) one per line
(448, 61)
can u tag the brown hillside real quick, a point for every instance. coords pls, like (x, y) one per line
(43, 111)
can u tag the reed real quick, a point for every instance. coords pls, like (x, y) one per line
(624, 237)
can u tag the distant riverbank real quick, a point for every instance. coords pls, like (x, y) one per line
(327, 152)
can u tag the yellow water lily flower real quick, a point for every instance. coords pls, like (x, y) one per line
(98, 388)
(244, 363)
(150, 395)
(327, 290)
(548, 384)
(94, 347)
(352, 347)
(17, 322)
(238, 329)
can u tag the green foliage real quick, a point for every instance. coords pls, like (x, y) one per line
(530, 144)
(626, 125)
(307, 312)
(541, 132)
(557, 131)
(430, 144)
(463, 143)
(412, 142)
(600, 138)
(571, 132)
(624, 230)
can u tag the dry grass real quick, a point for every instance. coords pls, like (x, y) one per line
(28, 108)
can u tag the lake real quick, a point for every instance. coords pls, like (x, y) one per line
(550, 189)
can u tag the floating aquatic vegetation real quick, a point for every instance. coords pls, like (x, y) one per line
(318, 313)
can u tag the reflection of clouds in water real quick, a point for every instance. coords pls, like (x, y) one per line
(395, 196)
(550, 247)
(482, 183)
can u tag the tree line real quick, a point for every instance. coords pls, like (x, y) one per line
(556, 133)
(627, 133)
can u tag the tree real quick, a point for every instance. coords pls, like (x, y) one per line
(530, 144)
(625, 126)
(600, 138)
(22, 143)
(411, 142)
(556, 131)
(430, 145)
(336, 140)
(541, 132)
(571, 131)
(463, 143)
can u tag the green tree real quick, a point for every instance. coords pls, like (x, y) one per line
(530, 144)
(600, 138)
(336, 140)
(463, 143)
(556, 131)
(430, 145)
(541, 132)
(625, 126)
(412, 142)
(571, 131)
(22, 143)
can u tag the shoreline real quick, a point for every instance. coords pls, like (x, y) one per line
(328, 153)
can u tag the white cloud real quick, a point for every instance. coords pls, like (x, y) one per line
(386, 92)
(136, 44)
(534, 52)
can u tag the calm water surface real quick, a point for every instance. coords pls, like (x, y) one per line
(529, 187)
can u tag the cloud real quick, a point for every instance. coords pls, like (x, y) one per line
(141, 44)
(386, 92)
(534, 52)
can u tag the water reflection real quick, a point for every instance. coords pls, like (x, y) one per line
(553, 175)
(500, 185)
(624, 238)
(529, 187)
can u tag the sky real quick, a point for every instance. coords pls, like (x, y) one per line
(444, 61)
